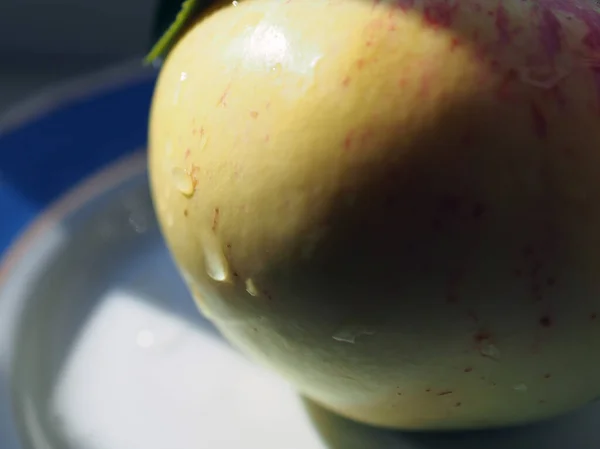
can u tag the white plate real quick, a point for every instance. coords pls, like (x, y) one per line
(109, 352)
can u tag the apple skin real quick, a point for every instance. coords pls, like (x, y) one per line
(393, 204)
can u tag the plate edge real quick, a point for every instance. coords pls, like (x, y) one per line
(56, 95)
(93, 185)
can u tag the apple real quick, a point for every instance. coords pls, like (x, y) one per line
(393, 204)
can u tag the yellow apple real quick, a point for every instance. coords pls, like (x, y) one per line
(393, 204)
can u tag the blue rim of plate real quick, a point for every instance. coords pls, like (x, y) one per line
(53, 141)
(58, 150)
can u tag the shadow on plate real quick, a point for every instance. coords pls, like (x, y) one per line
(578, 430)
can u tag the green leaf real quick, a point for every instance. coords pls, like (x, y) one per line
(173, 16)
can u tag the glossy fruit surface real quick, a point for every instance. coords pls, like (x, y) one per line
(394, 204)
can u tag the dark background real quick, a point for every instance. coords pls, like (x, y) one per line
(45, 42)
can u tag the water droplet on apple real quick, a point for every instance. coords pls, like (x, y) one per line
(543, 77)
(349, 334)
(489, 350)
(183, 181)
(215, 263)
(277, 68)
(251, 288)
